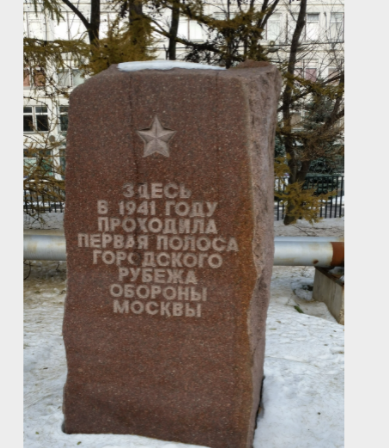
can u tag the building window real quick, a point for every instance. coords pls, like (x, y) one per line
(34, 157)
(70, 28)
(310, 74)
(35, 119)
(107, 20)
(77, 78)
(26, 78)
(62, 155)
(291, 22)
(63, 118)
(64, 79)
(70, 78)
(183, 31)
(35, 78)
(273, 28)
(306, 70)
(298, 70)
(29, 162)
(39, 78)
(195, 31)
(333, 72)
(312, 27)
(28, 119)
(336, 26)
(36, 26)
(41, 118)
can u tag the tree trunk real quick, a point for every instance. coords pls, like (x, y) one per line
(135, 13)
(136, 10)
(287, 104)
(94, 26)
(174, 30)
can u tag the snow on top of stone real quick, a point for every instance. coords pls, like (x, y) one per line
(164, 65)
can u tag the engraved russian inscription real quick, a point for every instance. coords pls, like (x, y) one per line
(166, 255)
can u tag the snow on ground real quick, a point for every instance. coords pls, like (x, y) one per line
(303, 388)
(292, 287)
(164, 65)
(325, 227)
(47, 221)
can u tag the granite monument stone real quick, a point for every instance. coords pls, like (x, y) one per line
(169, 236)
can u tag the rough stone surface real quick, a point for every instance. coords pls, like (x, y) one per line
(185, 363)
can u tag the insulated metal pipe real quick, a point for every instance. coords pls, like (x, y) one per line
(310, 239)
(295, 252)
(320, 254)
(44, 247)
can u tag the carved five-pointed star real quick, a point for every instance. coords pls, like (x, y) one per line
(156, 139)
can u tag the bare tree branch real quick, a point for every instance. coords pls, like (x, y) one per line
(78, 13)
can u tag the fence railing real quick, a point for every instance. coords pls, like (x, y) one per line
(54, 200)
(333, 184)
(51, 199)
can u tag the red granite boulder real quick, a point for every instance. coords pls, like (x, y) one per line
(169, 236)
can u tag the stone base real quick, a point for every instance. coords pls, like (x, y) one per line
(330, 290)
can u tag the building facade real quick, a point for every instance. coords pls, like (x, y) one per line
(46, 98)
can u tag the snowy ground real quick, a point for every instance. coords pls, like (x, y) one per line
(326, 227)
(303, 389)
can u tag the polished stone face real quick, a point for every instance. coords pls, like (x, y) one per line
(169, 234)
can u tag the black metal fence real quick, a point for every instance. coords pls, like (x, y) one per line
(51, 199)
(333, 184)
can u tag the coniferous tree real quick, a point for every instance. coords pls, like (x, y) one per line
(302, 137)
(310, 125)
(45, 61)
